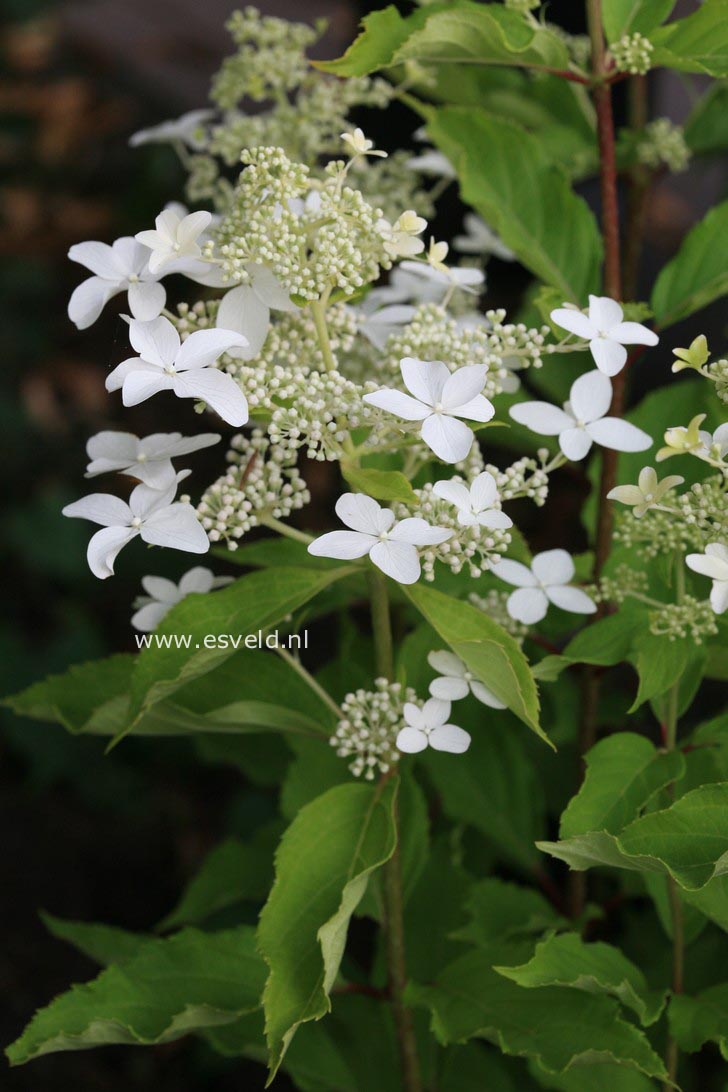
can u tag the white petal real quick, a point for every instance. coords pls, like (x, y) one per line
(633, 333)
(413, 715)
(419, 532)
(719, 550)
(483, 491)
(157, 473)
(156, 341)
(450, 738)
(495, 520)
(435, 712)
(411, 741)
(541, 417)
(99, 258)
(398, 560)
(575, 443)
(453, 492)
(486, 696)
(363, 513)
(88, 301)
(269, 289)
(590, 396)
(115, 379)
(104, 547)
(202, 348)
(109, 444)
(527, 605)
(619, 435)
(513, 572)
(398, 403)
(169, 445)
(141, 384)
(448, 688)
(218, 390)
(192, 226)
(198, 580)
(477, 409)
(609, 356)
(450, 439)
(447, 663)
(345, 545)
(177, 527)
(146, 299)
(463, 386)
(148, 617)
(604, 312)
(575, 322)
(626, 494)
(573, 599)
(167, 223)
(425, 379)
(553, 567)
(703, 564)
(158, 587)
(719, 596)
(244, 312)
(101, 508)
(144, 501)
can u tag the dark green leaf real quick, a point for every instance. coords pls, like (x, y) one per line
(701, 1019)
(698, 274)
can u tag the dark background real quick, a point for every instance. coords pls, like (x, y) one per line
(85, 836)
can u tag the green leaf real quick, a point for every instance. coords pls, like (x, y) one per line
(698, 43)
(623, 772)
(606, 642)
(253, 604)
(501, 911)
(706, 130)
(488, 651)
(698, 274)
(560, 1028)
(75, 698)
(702, 1019)
(270, 553)
(385, 485)
(507, 177)
(596, 1077)
(595, 968)
(622, 17)
(382, 34)
(323, 866)
(104, 944)
(170, 987)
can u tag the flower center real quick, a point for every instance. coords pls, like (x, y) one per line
(133, 279)
(170, 369)
(649, 496)
(468, 676)
(141, 457)
(437, 407)
(136, 523)
(384, 536)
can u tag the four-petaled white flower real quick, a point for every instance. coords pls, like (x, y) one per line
(474, 504)
(481, 239)
(174, 236)
(151, 513)
(713, 563)
(181, 130)
(605, 331)
(163, 594)
(391, 546)
(647, 493)
(546, 581)
(456, 681)
(401, 238)
(246, 309)
(121, 267)
(446, 277)
(149, 459)
(427, 727)
(360, 145)
(186, 368)
(582, 421)
(715, 446)
(440, 398)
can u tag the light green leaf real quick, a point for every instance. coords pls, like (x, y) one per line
(170, 987)
(488, 651)
(698, 43)
(706, 130)
(560, 1028)
(624, 771)
(633, 16)
(381, 35)
(595, 968)
(501, 911)
(384, 485)
(104, 944)
(702, 1019)
(507, 177)
(320, 881)
(698, 274)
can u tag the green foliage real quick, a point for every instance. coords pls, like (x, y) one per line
(698, 1020)
(104, 944)
(698, 43)
(384, 485)
(633, 16)
(698, 274)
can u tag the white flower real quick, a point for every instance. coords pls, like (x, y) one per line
(427, 727)
(447, 277)
(163, 594)
(713, 563)
(457, 682)
(474, 504)
(480, 239)
(246, 309)
(178, 130)
(121, 267)
(379, 325)
(647, 493)
(439, 399)
(400, 239)
(391, 545)
(150, 513)
(149, 460)
(546, 581)
(605, 331)
(432, 162)
(582, 421)
(360, 145)
(405, 286)
(174, 236)
(164, 363)
(715, 446)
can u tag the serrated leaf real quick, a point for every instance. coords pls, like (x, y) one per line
(319, 883)
(596, 1077)
(170, 987)
(698, 43)
(633, 16)
(488, 651)
(104, 944)
(560, 1028)
(74, 697)
(384, 485)
(702, 1019)
(595, 968)
(698, 274)
(507, 177)
(500, 911)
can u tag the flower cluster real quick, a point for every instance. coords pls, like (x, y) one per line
(368, 730)
(663, 144)
(633, 54)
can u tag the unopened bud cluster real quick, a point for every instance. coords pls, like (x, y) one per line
(718, 373)
(493, 603)
(623, 583)
(325, 410)
(633, 54)
(693, 618)
(527, 478)
(663, 144)
(368, 731)
(475, 547)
